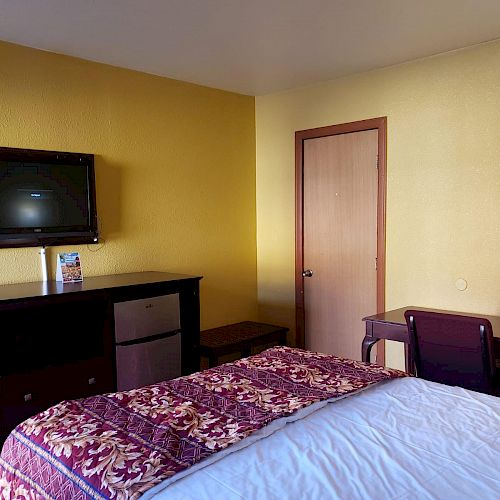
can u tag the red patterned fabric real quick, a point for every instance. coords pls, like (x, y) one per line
(120, 445)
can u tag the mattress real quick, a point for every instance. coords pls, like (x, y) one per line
(122, 445)
(405, 438)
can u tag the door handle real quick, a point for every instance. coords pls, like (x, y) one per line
(307, 273)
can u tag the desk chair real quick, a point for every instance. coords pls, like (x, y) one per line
(452, 349)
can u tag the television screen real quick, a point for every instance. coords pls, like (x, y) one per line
(43, 196)
(50, 201)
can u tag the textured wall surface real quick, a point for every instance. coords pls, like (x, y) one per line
(175, 171)
(443, 188)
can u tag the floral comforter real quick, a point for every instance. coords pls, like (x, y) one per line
(122, 444)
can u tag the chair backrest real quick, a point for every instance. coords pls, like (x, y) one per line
(452, 349)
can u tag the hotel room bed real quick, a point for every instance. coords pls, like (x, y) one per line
(404, 438)
(392, 437)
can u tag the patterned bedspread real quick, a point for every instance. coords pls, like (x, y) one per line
(122, 444)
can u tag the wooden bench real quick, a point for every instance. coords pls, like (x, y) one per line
(238, 337)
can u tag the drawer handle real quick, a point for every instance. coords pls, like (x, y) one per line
(27, 397)
(92, 381)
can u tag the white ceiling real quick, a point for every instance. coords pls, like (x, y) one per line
(250, 46)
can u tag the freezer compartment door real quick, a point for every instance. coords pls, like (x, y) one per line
(136, 319)
(148, 363)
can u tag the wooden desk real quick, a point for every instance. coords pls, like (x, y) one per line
(391, 325)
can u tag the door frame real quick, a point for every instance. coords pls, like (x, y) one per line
(379, 124)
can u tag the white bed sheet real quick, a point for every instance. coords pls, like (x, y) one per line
(406, 438)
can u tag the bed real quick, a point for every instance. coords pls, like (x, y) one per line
(337, 429)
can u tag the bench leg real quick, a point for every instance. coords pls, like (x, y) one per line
(213, 361)
(246, 351)
(282, 340)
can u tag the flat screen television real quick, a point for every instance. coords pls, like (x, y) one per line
(46, 198)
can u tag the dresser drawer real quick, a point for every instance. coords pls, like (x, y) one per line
(26, 394)
(88, 378)
(21, 397)
(391, 332)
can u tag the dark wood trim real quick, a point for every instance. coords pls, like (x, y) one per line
(381, 210)
(299, 241)
(379, 124)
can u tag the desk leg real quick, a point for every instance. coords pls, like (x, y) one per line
(366, 347)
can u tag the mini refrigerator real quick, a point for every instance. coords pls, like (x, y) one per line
(148, 341)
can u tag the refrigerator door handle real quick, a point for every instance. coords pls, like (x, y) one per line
(150, 338)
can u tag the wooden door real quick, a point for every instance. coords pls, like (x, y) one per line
(339, 236)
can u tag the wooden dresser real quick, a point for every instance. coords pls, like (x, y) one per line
(57, 341)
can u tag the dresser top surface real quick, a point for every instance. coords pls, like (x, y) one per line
(42, 289)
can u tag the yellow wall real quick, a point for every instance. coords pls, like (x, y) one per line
(175, 171)
(443, 188)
